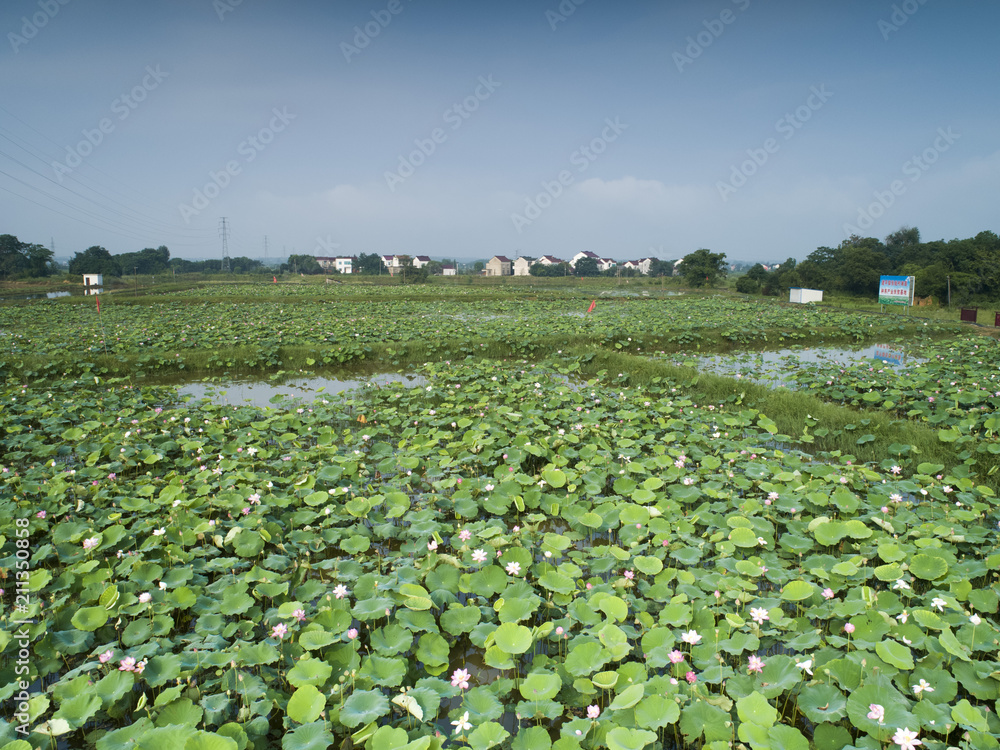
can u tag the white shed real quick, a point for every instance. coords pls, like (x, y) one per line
(93, 279)
(802, 296)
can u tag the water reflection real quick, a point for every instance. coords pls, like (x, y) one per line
(263, 394)
(47, 295)
(775, 368)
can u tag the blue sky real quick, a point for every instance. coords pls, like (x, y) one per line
(762, 130)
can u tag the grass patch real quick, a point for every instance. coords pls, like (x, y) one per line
(809, 423)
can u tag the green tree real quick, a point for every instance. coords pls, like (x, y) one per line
(12, 257)
(587, 267)
(703, 267)
(95, 259)
(659, 267)
(301, 264)
(757, 273)
(747, 285)
(21, 260)
(479, 266)
(860, 269)
(369, 263)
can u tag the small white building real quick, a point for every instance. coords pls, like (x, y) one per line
(581, 255)
(448, 270)
(522, 265)
(804, 296)
(419, 261)
(93, 279)
(342, 264)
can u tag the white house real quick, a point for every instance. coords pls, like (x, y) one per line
(93, 279)
(498, 265)
(522, 265)
(448, 270)
(419, 261)
(341, 264)
(549, 260)
(581, 255)
(606, 264)
(644, 265)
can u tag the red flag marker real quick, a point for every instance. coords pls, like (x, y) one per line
(592, 306)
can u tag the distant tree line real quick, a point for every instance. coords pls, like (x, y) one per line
(150, 262)
(856, 264)
(23, 260)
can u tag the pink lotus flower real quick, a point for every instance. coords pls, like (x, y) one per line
(849, 628)
(828, 593)
(755, 664)
(299, 614)
(593, 712)
(279, 630)
(106, 656)
(460, 679)
(675, 656)
(352, 633)
(691, 677)
(513, 568)
(465, 535)
(127, 664)
(40, 514)
(876, 712)
(906, 739)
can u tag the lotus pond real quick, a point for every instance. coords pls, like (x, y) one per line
(520, 553)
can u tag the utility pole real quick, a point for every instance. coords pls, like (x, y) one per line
(224, 233)
(949, 292)
(135, 278)
(265, 249)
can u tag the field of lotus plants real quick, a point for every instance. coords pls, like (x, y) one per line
(527, 550)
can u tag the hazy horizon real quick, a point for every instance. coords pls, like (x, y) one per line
(467, 130)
